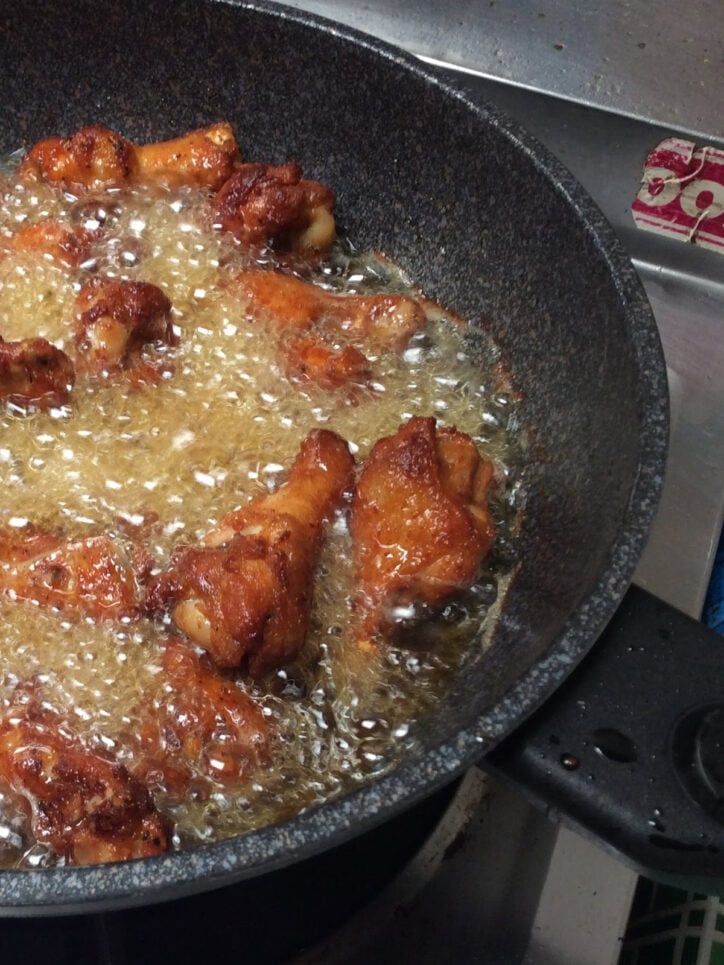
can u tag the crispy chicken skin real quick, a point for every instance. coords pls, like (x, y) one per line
(87, 808)
(204, 158)
(119, 325)
(66, 247)
(91, 157)
(289, 304)
(201, 724)
(92, 577)
(419, 522)
(95, 156)
(311, 359)
(246, 593)
(33, 372)
(262, 205)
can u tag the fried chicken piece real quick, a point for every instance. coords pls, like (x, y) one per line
(92, 577)
(261, 204)
(310, 359)
(33, 372)
(246, 593)
(123, 326)
(95, 157)
(202, 723)
(87, 808)
(89, 158)
(205, 158)
(290, 304)
(419, 522)
(66, 247)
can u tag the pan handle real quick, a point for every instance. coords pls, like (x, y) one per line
(630, 749)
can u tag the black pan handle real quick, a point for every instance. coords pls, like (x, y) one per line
(630, 749)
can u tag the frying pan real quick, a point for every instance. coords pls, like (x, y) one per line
(488, 224)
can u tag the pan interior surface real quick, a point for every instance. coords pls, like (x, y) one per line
(486, 224)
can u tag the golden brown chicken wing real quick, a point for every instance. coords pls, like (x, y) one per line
(289, 304)
(202, 725)
(311, 359)
(89, 158)
(94, 577)
(204, 158)
(246, 594)
(123, 326)
(96, 157)
(419, 522)
(272, 206)
(33, 372)
(66, 247)
(87, 808)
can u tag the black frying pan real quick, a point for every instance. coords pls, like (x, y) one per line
(489, 225)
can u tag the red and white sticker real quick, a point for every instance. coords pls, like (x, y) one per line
(682, 193)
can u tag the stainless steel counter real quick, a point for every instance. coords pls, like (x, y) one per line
(600, 82)
(656, 60)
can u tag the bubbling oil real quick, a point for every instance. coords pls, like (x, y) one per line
(170, 459)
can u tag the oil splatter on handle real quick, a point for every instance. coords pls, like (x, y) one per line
(630, 750)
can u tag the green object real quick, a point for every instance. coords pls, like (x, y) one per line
(673, 927)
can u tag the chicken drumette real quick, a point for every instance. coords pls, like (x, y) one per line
(87, 808)
(33, 372)
(419, 523)
(263, 205)
(245, 594)
(200, 728)
(94, 576)
(123, 326)
(288, 304)
(66, 247)
(96, 157)
(311, 359)
(316, 328)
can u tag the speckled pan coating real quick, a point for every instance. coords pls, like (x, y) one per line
(490, 225)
